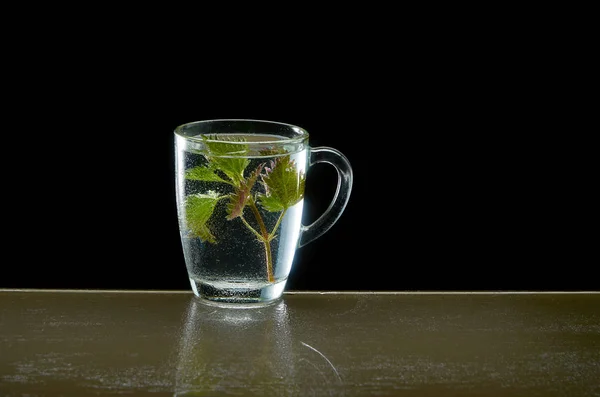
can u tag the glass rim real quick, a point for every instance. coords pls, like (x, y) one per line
(302, 133)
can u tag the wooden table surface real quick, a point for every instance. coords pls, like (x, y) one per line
(167, 343)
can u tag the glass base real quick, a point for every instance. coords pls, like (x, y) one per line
(234, 295)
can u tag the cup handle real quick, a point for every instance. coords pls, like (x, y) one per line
(341, 164)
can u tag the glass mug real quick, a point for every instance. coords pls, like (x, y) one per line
(239, 194)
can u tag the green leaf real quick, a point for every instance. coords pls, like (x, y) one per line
(198, 210)
(227, 154)
(284, 185)
(271, 203)
(240, 198)
(225, 145)
(272, 151)
(203, 174)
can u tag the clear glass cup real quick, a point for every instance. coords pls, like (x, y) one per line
(240, 195)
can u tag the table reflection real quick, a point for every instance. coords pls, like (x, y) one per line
(249, 352)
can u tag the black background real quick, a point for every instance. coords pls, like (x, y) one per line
(469, 172)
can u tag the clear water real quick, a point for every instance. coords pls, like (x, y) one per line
(236, 267)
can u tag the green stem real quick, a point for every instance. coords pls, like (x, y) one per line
(272, 235)
(261, 238)
(265, 240)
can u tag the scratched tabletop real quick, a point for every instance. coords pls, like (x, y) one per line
(168, 343)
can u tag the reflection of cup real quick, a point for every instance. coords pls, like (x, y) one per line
(240, 197)
(227, 351)
(232, 351)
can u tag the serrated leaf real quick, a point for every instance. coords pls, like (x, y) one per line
(271, 151)
(239, 199)
(198, 210)
(225, 145)
(271, 203)
(226, 153)
(284, 185)
(204, 174)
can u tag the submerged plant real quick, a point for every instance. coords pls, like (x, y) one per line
(279, 186)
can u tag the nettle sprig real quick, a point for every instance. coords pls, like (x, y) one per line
(279, 186)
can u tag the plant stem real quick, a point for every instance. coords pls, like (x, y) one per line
(265, 240)
(257, 234)
(272, 235)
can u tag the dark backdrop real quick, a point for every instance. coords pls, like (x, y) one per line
(465, 174)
